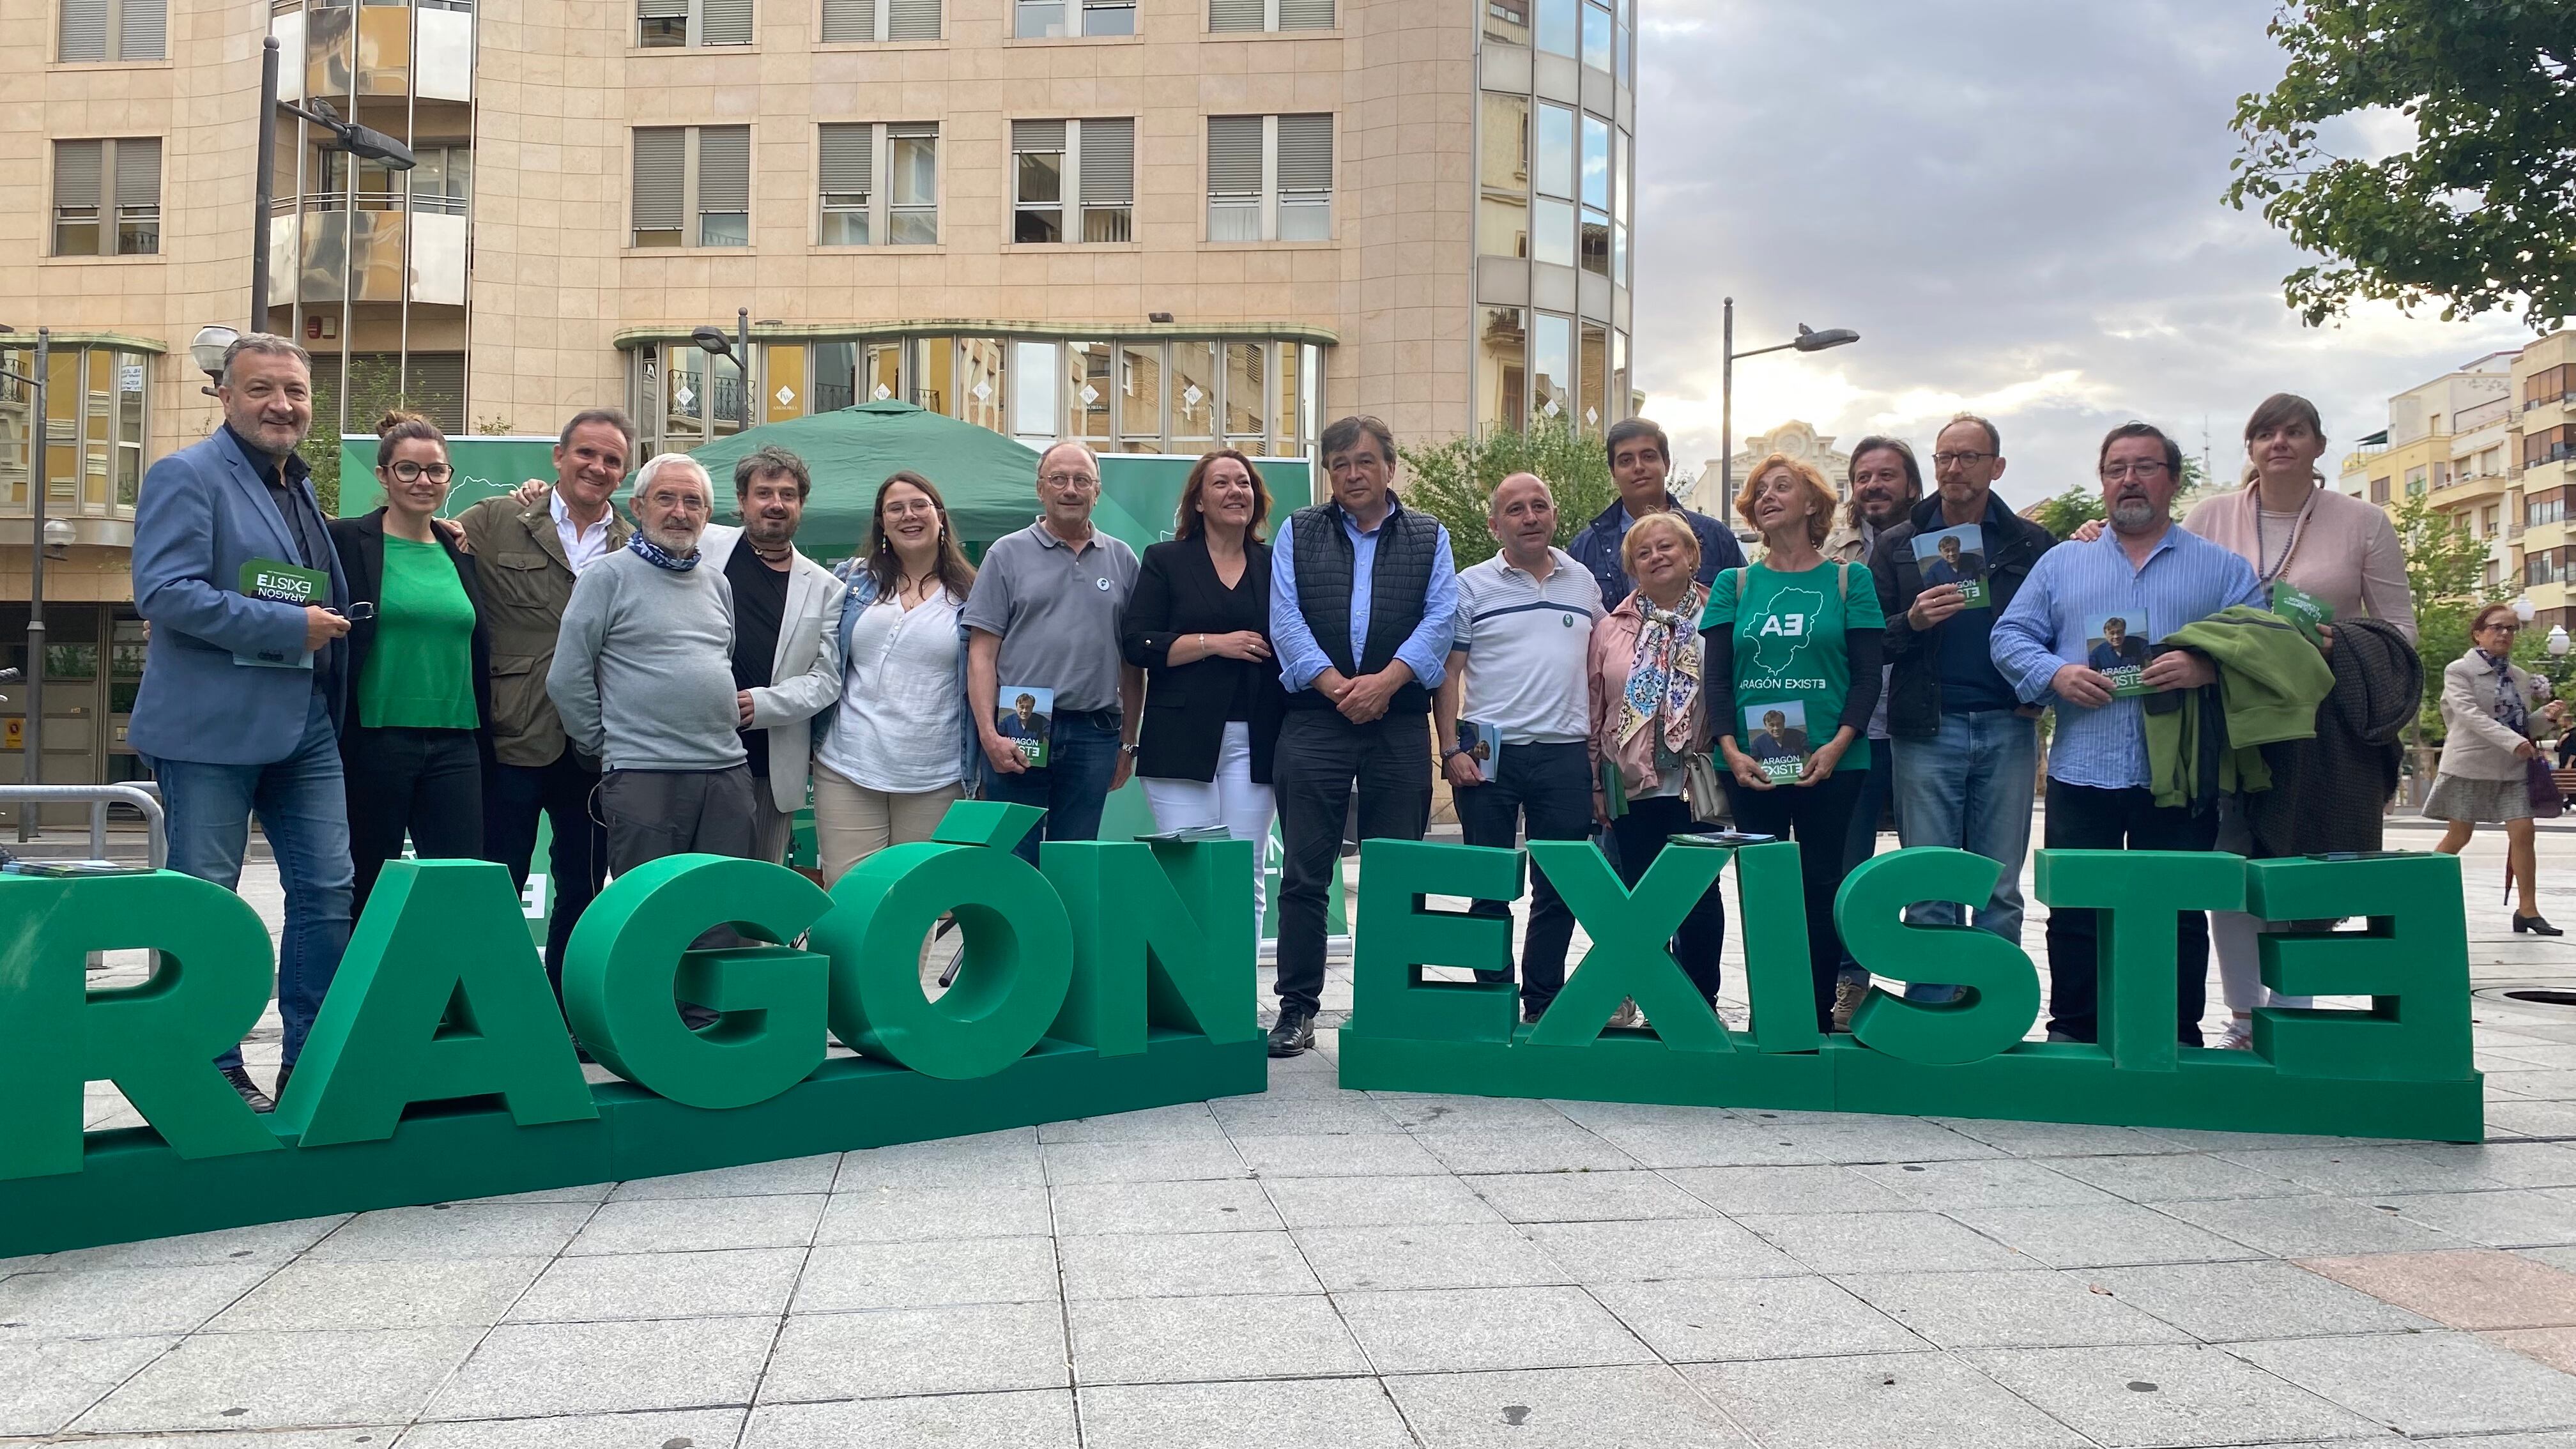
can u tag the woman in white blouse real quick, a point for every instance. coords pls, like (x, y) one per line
(898, 749)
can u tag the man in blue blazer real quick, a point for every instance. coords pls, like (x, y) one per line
(245, 676)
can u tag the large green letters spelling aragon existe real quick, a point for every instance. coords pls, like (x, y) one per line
(1120, 976)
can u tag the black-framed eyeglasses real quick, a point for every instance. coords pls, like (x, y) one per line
(408, 471)
(1959, 460)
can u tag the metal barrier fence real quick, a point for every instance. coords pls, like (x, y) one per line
(145, 799)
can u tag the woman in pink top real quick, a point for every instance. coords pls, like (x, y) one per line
(2303, 536)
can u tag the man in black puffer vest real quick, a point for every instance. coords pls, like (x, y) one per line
(1362, 596)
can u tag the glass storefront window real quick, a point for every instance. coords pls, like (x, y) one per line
(1503, 178)
(62, 426)
(884, 377)
(1283, 421)
(1140, 397)
(1552, 367)
(980, 399)
(684, 397)
(934, 361)
(1033, 384)
(1246, 365)
(836, 376)
(1594, 376)
(1502, 368)
(1087, 389)
(1193, 392)
(132, 372)
(17, 425)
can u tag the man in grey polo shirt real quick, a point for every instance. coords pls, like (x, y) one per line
(1516, 665)
(1045, 612)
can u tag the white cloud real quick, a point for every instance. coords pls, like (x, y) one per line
(2017, 206)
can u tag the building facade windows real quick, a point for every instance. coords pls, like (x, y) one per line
(2548, 445)
(1178, 395)
(1270, 178)
(1073, 180)
(2541, 508)
(97, 428)
(692, 186)
(1225, 16)
(1058, 19)
(94, 30)
(2549, 385)
(855, 210)
(848, 21)
(107, 197)
(671, 23)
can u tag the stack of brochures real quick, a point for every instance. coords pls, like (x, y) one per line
(60, 869)
(1190, 832)
(1727, 839)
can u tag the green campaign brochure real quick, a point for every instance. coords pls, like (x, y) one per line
(1024, 714)
(2300, 607)
(1956, 556)
(282, 583)
(2118, 652)
(1775, 735)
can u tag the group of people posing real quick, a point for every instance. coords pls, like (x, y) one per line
(669, 684)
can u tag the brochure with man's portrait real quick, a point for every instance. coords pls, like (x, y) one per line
(1956, 556)
(1775, 735)
(2118, 652)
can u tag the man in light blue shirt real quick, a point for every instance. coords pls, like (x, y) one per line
(1362, 595)
(2158, 578)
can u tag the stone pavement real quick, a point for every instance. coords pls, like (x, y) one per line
(1357, 1270)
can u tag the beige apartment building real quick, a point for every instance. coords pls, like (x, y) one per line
(1151, 224)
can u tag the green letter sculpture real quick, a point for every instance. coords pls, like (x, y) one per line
(2002, 996)
(2412, 962)
(158, 1041)
(630, 956)
(1018, 948)
(2139, 896)
(1396, 938)
(1161, 935)
(1629, 955)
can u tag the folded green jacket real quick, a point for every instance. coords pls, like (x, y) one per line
(2270, 682)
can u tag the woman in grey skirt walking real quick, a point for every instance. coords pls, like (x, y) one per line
(2487, 704)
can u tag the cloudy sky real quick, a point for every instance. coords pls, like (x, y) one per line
(2015, 202)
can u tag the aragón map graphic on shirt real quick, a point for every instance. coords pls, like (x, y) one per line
(1778, 636)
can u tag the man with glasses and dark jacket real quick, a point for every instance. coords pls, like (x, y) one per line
(1363, 593)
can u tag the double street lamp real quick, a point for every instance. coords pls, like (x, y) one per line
(1807, 340)
(363, 142)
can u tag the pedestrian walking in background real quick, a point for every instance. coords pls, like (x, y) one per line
(1199, 626)
(2487, 752)
(900, 747)
(416, 737)
(1798, 633)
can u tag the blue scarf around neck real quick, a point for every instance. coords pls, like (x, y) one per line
(658, 557)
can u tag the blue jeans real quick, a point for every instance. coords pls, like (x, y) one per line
(1970, 787)
(303, 809)
(1082, 751)
(1549, 786)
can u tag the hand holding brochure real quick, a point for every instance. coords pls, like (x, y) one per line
(1956, 556)
(1024, 714)
(2118, 652)
(282, 583)
(1775, 735)
(1482, 744)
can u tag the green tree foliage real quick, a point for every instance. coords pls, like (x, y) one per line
(2446, 571)
(1452, 480)
(2476, 212)
(2069, 511)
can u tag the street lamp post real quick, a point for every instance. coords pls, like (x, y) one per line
(362, 142)
(712, 341)
(32, 736)
(1807, 340)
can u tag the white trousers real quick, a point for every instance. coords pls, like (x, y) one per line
(2232, 934)
(1230, 800)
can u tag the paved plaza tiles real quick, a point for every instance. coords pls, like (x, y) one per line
(1371, 1270)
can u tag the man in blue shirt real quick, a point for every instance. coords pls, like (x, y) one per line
(1640, 460)
(2158, 578)
(1363, 594)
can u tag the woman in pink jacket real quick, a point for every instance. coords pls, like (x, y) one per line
(1649, 714)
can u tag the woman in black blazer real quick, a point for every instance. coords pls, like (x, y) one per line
(1198, 624)
(418, 729)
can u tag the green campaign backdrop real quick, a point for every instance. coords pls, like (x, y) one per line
(484, 466)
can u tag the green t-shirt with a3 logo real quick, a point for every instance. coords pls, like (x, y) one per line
(1790, 631)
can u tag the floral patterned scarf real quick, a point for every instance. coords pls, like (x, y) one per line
(1664, 674)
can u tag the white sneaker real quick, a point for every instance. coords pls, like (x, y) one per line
(1626, 1015)
(2239, 1036)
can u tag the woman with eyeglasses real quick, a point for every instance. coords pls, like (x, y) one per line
(2487, 707)
(900, 747)
(416, 737)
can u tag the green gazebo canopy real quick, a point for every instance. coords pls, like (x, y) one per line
(989, 481)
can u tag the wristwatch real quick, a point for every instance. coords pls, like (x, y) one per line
(1125, 748)
(1447, 755)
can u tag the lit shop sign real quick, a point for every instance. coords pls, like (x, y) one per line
(1121, 977)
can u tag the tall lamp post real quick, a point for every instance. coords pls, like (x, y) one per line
(1807, 340)
(44, 534)
(364, 142)
(712, 341)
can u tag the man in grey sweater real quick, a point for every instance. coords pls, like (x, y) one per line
(643, 677)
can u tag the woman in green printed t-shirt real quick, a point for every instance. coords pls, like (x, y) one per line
(416, 736)
(1793, 652)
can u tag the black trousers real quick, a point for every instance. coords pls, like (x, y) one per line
(1321, 757)
(1550, 786)
(1818, 817)
(514, 796)
(2081, 817)
(1644, 833)
(425, 784)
